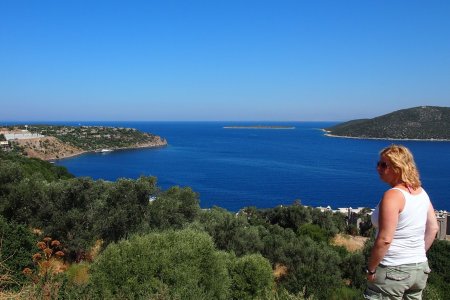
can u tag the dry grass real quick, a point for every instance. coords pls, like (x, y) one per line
(95, 250)
(78, 274)
(26, 293)
(280, 271)
(351, 243)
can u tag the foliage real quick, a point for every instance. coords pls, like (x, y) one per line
(78, 274)
(424, 122)
(352, 267)
(49, 266)
(314, 232)
(77, 211)
(174, 208)
(312, 268)
(289, 216)
(331, 223)
(251, 277)
(231, 232)
(16, 248)
(175, 255)
(124, 207)
(184, 263)
(30, 166)
(95, 137)
(345, 293)
(365, 227)
(439, 261)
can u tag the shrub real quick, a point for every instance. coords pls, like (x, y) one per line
(251, 277)
(183, 264)
(47, 276)
(16, 248)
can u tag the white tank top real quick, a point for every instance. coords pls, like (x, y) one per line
(408, 244)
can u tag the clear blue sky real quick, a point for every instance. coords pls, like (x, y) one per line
(221, 59)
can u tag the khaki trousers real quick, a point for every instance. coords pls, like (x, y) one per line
(400, 282)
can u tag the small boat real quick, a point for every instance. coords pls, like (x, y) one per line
(105, 150)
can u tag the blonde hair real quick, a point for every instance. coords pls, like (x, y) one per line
(402, 163)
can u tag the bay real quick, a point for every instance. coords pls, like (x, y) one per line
(236, 168)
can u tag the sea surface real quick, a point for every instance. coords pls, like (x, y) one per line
(236, 168)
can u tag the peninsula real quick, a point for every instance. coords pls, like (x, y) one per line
(427, 123)
(259, 127)
(49, 142)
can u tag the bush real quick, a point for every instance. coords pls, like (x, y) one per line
(314, 232)
(251, 277)
(174, 208)
(181, 264)
(16, 248)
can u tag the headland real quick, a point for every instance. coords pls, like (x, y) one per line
(49, 142)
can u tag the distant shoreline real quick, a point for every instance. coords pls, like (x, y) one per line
(112, 150)
(327, 133)
(259, 127)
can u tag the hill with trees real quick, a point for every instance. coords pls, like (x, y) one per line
(418, 123)
(55, 142)
(77, 238)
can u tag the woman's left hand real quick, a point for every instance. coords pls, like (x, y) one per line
(370, 277)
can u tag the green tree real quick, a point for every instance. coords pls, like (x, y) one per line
(71, 213)
(332, 223)
(314, 232)
(24, 200)
(352, 267)
(251, 277)
(183, 264)
(288, 216)
(125, 207)
(174, 208)
(231, 232)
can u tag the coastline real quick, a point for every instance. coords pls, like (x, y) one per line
(67, 156)
(327, 133)
(155, 145)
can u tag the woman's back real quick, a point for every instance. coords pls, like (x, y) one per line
(408, 245)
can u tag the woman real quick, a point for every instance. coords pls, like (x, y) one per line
(406, 227)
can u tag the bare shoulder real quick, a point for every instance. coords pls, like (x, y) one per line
(393, 194)
(393, 200)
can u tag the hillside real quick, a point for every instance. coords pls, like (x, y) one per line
(55, 142)
(97, 239)
(418, 123)
(47, 148)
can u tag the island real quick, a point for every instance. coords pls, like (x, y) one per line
(423, 123)
(259, 127)
(50, 142)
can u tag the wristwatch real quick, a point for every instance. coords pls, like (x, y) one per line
(371, 272)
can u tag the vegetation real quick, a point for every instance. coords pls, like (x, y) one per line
(180, 264)
(16, 248)
(55, 142)
(423, 123)
(129, 239)
(90, 138)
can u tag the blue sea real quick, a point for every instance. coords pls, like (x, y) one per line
(235, 168)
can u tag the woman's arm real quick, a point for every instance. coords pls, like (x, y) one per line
(431, 228)
(391, 205)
